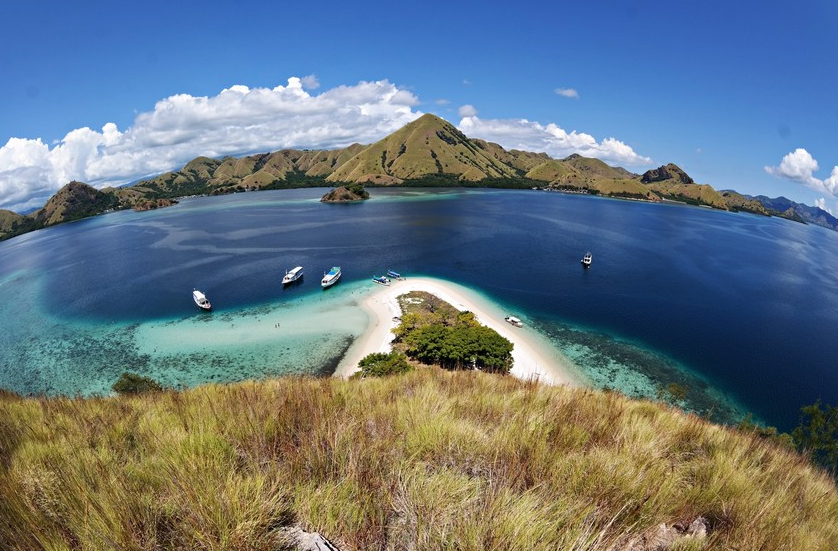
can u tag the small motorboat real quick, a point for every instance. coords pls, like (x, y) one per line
(512, 320)
(201, 300)
(381, 280)
(394, 275)
(293, 275)
(586, 261)
(331, 277)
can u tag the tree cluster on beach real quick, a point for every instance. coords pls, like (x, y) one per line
(435, 333)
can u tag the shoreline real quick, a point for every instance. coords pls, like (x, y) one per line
(533, 359)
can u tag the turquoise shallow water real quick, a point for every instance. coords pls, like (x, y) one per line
(736, 308)
(48, 355)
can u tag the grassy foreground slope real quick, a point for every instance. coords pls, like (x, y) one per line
(428, 460)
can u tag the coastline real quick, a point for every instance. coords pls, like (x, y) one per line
(533, 359)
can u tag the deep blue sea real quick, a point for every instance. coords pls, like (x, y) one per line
(738, 309)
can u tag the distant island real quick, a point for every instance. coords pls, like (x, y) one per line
(426, 152)
(346, 194)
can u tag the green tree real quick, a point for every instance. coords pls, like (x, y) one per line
(131, 383)
(379, 364)
(817, 435)
(492, 352)
(425, 343)
(767, 433)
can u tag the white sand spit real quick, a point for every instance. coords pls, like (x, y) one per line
(534, 358)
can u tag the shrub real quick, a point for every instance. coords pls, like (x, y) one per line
(131, 383)
(379, 364)
(817, 435)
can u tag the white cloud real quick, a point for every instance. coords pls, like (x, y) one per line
(241, 120)
(237, 121)
(310, 82)
(821, 204)
(442, 101)
(567, 92)
(550, 138)
(831, 183)
(467, 111)
(800, 166)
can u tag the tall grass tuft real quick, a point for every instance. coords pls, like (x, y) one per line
(425, 460)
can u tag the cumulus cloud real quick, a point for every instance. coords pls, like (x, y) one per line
(567, 92)
(551, 139)
(800, 166)
(239, 120)
(467, 111)
(310, 82)
(821, 204)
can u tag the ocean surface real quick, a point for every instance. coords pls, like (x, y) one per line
(739, 311)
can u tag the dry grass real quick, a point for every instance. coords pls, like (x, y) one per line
(428, 460)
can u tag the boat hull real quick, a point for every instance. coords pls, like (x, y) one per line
(328, 283)
(331, 278)
(292, 276)
(201, 301)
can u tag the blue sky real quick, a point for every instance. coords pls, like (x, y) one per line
(739, 94)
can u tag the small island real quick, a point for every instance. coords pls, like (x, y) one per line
(351, 193)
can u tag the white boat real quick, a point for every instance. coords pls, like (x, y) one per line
(201, 300)
(586, 261)
(381, 280)
(293, 275)
(512, 320)
(331, 277)
(394, 275)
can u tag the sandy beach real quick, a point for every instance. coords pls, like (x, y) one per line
(533, 359)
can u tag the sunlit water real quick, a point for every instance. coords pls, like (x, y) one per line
(737, 308)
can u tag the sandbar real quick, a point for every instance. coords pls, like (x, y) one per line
(534, 358)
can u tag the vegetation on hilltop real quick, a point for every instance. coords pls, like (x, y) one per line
(427, 460)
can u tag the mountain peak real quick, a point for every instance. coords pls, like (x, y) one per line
(667, 172)
(429, 146)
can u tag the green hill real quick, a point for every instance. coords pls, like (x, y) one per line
(429, 460)
(9, 221)
(427, 146)
(737, 201)
(671, 182)
(553, 171)
(73, 202)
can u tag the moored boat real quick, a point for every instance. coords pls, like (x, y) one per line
(293, 275)
(586, 261)
(201, 300)
(394, 275)
(381, 280)
(512, 320)
(331, 277)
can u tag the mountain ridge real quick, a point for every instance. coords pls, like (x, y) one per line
(427, 151)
